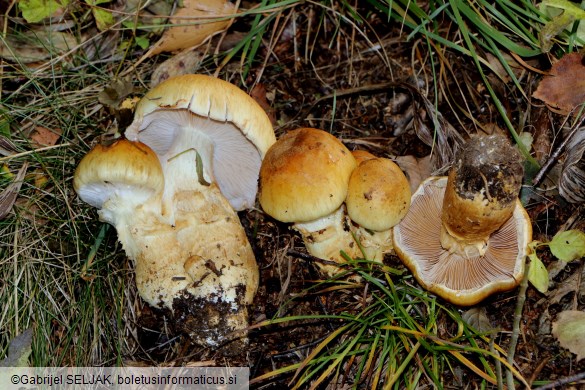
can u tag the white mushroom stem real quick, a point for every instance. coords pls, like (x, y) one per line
(462, 247)
(375, 244)
(327, 236)
(185, 171)
(217, 265)
(203, 268)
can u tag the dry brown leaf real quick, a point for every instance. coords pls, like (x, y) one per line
(187, 61)
(195, 22)
(41, 136)
(564, 88)
(569, 329)
(569, 286)
(258, 93)
(19, 350)
(477, 317)
(115, 92)
(9, 194)
(415, 169)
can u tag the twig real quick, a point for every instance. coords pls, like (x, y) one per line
(311, 258)
(516, 326)
(17, 155)
(497, 363)
(555, 156)
(292, 351)
(352, 91)
(562, 381)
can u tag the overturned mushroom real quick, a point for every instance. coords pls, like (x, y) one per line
(303, 180)
(190, 250)
(378, 198)
(213, 121)
(465, 237)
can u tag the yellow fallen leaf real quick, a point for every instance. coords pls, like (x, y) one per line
(194, 23)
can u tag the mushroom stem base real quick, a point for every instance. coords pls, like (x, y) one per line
(326, 237)
(202, 268)
(461, 246)
(374, 243)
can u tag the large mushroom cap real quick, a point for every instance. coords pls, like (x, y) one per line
(213, 118)
(379, 194)
(128, 169)
(460, 279)
(304, 176)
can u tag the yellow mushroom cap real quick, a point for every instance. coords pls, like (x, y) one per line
(362, 155)
(125, 168)
(304, 176)
(212, 98)
(378, 194)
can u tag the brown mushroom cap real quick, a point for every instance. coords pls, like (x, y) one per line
(362, 155)
(304, 176)
(379, 194)
(459, 279)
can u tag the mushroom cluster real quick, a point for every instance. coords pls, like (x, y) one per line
(308, 177)
(190, 160)
(466, 235)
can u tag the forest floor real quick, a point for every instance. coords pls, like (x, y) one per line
(63, 274)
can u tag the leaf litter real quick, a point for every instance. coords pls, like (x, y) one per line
(563, 88)
(323, 70)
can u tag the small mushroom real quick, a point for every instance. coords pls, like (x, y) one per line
(465, 237)
(361, 156)
(303, 180)
(190, 250)
(118, 179)
(378, 198)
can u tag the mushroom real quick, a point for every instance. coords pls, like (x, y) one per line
(378, 198)
(218, 125)
(465, 236)
(361, 156)
(190, 250)
(118, 179)
(303, 180)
